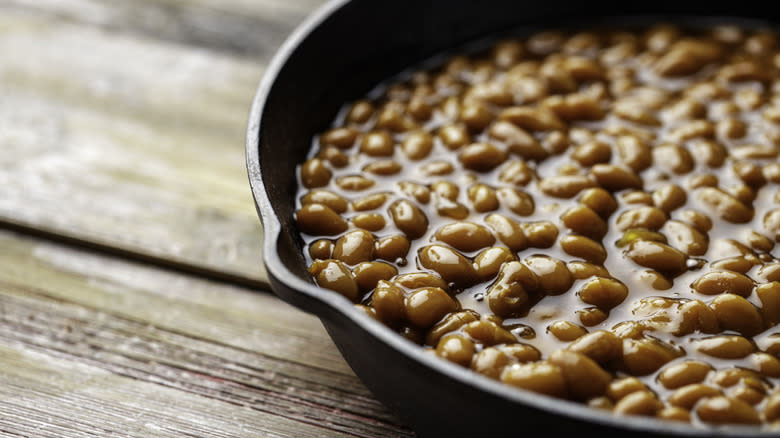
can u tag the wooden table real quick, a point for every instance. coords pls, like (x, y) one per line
(132, 294)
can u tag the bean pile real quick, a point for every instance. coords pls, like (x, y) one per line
(588, 215)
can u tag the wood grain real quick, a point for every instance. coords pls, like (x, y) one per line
(116, 133)
(89, 343)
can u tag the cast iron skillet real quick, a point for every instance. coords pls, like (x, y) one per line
(336, 55)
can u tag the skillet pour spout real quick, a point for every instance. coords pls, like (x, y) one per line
(339, 53)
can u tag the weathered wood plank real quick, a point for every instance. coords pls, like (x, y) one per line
(127, 142)
(246, 27)
(96, 324)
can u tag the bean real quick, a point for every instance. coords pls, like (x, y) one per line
(508, 231)
(772, 173)
(412, 334)
(684, 373)
(729, 377)
(417, 145)
(736, 313)
(368, 274)
(759, 242)
(377, 144)
(508, 295)
(599, 200)
(483, 198)
(518, 141)
(772, 407)
(685, 238)
(318, 219)
(446, 189)
(577, 106)
(369, 221)
(565, 186)
(475, 115)
(765, 364)
(516, 172)
(644, 356)
(366, 310)
(669, 197)
(769, 296)
(448, 263)
(726, 410)
(769, 272)
(655, 280)
(426, 306)
(706, 180)
(419, 192)
(417, 280)
(747, 394)
(673, 413)
(604, 293)
(388, 302)
(321, 249)
(698, 220)
(314, 173)
(724, 205)
(327, 198)
(688, 396)
(772, 223)
(449, 324)
(409, 218)
(725, 347)
(521, 352)
(488, 262)
(481, 157)
(591, 316)
(585, 221)
(614, 178)
(465, 236)
(342, 138)
(453, 136)
(554, 277)
(602, 403)
(634, 153)
(354, 182)
(333, 275)
(366, 203)
(584, 248)
(697, 316)
(592, 152)
(360, 112)
(437, 168)
(651, 218)
(556, 142)
(629, 109)
(619, 388)
(718, 282)
(354, 247)
(638, 403)
(383, 167)
(584, 377)
(687, 56)
(540, 377)
(532, 119)
(334, 156)
(601, 346)
(541, 234)
(456, 348)
(517, 201)
(637, 197)
(583, 270)
(392, 248)
(488, 333)
(490, 362)
(419, 108)
(566, 331)
(657, 256)
(709, 152)
(660, 37)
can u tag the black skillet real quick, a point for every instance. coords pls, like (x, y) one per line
(338, 54)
